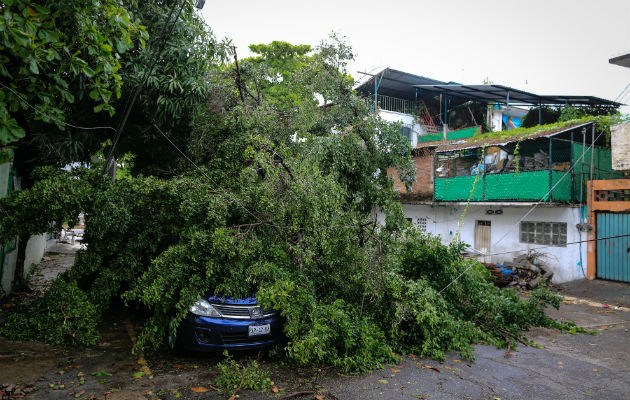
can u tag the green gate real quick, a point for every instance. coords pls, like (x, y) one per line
(613, 255)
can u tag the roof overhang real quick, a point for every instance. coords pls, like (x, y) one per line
(622, 61)
(501, 94)
(462, 145)
(394, 83)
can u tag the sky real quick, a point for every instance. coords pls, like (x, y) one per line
(545, 47)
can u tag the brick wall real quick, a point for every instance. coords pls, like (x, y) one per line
(422, 188)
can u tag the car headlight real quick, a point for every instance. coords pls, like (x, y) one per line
(203, 308)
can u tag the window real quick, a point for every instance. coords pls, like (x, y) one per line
(406, 132)
(422, 224)
(547, 233)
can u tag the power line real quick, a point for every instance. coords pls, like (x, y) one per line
(549, 246)
(204, 173)
(151, 64)
(54, 118)
(533, 207)
(537, 248)
(237, 201)
(622, 92)
(552, 188)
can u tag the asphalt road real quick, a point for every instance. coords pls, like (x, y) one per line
(561, 366)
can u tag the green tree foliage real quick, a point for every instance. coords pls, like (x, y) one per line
(63, 316)
(283, 205)
(551, 115)
(99, 69)
(56, 52)
(548, 115)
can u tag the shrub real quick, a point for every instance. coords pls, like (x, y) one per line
(64, 315)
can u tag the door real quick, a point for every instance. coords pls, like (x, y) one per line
(482, 238)
(613, 255)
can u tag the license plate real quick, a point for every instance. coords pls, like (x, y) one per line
(257, 330)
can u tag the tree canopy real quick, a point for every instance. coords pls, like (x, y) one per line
(56, 53)
(74, 64)
(275, 192)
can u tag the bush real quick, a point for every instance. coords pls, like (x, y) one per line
(64, 315)
(234, 376)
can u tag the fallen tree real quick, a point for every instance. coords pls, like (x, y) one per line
(281, 202)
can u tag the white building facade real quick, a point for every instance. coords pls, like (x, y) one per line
(504, 231)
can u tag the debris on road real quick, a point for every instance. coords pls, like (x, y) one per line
(525, 271)
(12, 391)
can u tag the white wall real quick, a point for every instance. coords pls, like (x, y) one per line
(8, 272)
(407, 120)
(565, 261)
(35, 248)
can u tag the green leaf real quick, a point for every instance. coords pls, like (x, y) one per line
(101, 373)
(32, 66)
(89, 72)
(20, 37)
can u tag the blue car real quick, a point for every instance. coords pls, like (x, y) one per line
(215, 324)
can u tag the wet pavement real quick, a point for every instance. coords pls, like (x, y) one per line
(560, 366)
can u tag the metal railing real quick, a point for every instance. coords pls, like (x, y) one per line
(395, 104)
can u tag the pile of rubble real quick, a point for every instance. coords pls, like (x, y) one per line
(525, 271)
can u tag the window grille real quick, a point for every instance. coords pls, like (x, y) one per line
(406, 132)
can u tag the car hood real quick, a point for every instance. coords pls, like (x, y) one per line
(213, 298)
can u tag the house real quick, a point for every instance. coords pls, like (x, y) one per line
(503, 193)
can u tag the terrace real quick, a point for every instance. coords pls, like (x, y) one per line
(546, 163)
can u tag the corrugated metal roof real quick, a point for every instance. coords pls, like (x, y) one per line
(395, 83)
(499, 94)
(479, 142)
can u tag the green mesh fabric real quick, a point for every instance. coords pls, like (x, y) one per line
(522, 186)
(458, 188)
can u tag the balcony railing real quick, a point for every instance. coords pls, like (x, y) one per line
(395, 104)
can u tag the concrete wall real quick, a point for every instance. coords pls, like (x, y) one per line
(8, 272)
(443, 220)
(620, 147)
(406, 120)
(35, 248)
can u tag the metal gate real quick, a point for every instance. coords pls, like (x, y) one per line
(613, 255)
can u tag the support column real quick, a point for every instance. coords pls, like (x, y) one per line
(507, 112)
(445, 127)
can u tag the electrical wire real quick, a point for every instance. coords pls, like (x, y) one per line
(87, 128)
(237, 201)
(530, 210)
(147, 72)
(537, 248)
(550, 246)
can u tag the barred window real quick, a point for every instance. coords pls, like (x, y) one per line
(406, 132)
(422, 224)
(545, 233)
